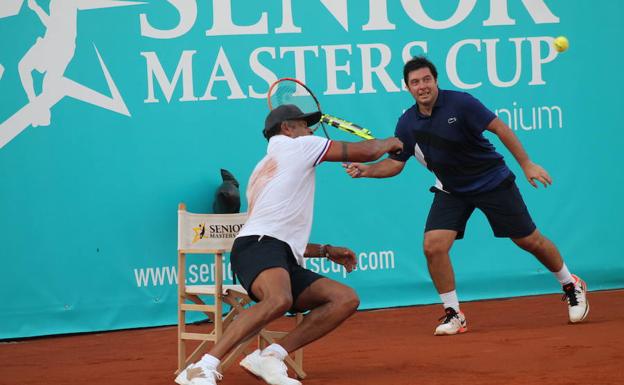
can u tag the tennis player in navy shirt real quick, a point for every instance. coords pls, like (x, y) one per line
(443, 130)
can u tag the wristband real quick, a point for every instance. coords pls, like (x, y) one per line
(323, 251)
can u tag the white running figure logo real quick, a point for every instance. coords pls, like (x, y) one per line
(51, 54)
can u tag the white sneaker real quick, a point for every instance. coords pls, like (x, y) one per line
(271, 369)
(195, 374)
(576, 295)
(452, 323)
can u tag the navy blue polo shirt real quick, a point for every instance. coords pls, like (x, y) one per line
(450, 143)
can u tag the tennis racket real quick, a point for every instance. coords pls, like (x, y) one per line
(293, 91)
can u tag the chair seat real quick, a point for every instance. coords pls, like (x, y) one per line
(210, 289)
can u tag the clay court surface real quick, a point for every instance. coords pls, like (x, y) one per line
(515, 341)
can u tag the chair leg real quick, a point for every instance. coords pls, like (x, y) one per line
(181, 350)
(181, 313)
(299, 352)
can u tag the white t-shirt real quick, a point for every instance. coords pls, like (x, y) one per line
(280, 192)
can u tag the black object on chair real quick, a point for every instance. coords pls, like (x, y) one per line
(227, 196)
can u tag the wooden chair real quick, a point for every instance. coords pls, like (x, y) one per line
(214, 234)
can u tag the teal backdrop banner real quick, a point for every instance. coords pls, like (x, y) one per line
(112, 112)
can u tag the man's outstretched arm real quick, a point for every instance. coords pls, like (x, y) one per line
(384, 169)
(365, 151)
(531, 170)
(340, 255)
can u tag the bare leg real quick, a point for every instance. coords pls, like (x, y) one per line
(272, 287)
(331, 303)
(542, 248)
(437, 244)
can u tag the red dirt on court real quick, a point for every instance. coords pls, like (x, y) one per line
(513, 342)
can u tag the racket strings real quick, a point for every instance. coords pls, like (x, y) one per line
(287, 92)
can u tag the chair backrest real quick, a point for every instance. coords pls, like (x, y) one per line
(207, 233)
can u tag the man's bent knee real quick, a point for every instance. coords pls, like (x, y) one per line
(530, 243)
(278, 304)
(433, 249)
(347, 300)
(438, 243)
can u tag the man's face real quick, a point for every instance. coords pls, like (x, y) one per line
(296, 128)
(423, 86)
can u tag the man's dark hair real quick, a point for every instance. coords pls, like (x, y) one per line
(416, 63)
(274, 130)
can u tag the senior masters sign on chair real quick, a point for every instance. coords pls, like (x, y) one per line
(215, 234)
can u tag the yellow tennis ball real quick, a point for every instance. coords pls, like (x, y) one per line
(561, 43)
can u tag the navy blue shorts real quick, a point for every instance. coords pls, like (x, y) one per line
(503, 207)
(253, 254)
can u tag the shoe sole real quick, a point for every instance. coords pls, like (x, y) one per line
(460, 331)
(252, 374)
(584, 285)
(181, 381)
(249, 371)
(583, 317)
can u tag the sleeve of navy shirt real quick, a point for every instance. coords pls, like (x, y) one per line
(402, 132)
(476, 114)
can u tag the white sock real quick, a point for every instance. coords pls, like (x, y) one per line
(209, 362)
(275, 350)
(450, 300)
(564, 275)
